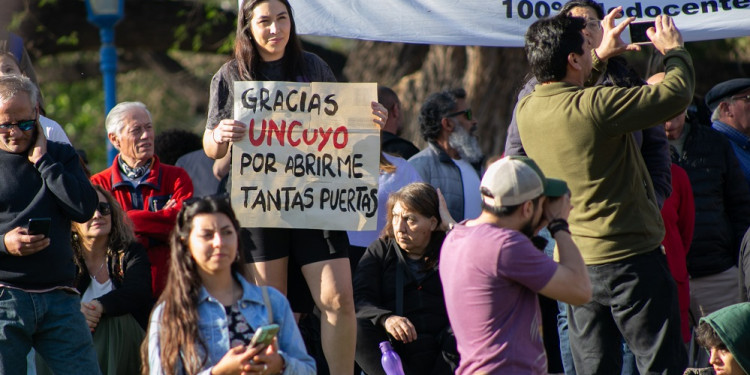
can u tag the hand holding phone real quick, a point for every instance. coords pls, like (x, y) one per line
(638, 32)
(19, 242)
(666, 35)
(39, 225)
(264, 336)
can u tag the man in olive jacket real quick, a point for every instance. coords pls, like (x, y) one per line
(584, 136)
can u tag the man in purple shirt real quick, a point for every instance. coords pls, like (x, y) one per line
(491, 271)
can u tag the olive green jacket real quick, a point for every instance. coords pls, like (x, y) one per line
(583, 136)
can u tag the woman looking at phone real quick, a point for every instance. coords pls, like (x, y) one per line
(205, 319)
(267, 49)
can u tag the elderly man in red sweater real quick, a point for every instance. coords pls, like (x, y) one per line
(150, 192)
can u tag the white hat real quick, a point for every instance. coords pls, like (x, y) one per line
(513, 180)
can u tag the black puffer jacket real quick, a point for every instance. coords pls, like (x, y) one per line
(722, 200)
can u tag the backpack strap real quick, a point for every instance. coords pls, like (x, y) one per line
(267, 302)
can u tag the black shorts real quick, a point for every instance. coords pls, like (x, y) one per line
(302, 246)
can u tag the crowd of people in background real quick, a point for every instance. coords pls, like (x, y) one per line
(613, 198)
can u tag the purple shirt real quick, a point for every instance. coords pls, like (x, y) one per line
(491, 277)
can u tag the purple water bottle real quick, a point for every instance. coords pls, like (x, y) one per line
(390, 360)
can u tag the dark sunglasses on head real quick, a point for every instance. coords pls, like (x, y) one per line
(466, 112)
(104, 208)
(25, 125)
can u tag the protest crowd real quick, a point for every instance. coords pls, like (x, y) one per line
(610, 238)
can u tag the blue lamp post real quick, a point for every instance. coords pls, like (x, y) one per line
(104, 14)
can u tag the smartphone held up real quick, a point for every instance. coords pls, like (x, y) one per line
(638, 32)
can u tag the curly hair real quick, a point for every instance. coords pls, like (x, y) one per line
(246, 52)
(423, 199)
(434, 109)
(119, 239)
(178, 332)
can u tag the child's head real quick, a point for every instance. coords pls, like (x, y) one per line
(726, 335)
(9, 64)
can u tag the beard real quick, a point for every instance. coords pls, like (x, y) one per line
(529, 229)
(465, 144)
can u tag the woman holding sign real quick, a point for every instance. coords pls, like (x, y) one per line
(267, 49)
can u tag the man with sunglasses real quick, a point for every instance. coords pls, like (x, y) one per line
(452, 159)
(39, 307)
(730, 103)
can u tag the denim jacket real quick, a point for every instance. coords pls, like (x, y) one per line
(213, 328)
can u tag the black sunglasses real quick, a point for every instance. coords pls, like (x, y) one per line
(466, 112)
(25, 125)
(104, 208)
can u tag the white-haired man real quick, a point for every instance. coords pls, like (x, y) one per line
(150, 192)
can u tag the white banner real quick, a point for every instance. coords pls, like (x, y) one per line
(500, 23)
(311, 159)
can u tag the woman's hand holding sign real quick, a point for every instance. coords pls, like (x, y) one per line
(229, 130)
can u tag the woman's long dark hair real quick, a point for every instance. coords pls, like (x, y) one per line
(246, 52)
(423, 199)
(178, 333)
(120, 235)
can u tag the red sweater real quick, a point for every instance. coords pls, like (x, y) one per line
(679, 219)
(144, 207)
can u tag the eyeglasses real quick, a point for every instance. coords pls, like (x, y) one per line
(745, 98)
(24, 125)
(104, 208)
(466, 112)
(593, 24)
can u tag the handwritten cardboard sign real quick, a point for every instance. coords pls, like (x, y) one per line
(311, 158)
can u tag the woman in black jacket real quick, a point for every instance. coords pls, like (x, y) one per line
(397, 289)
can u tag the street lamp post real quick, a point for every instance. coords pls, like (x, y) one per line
(104, 14)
